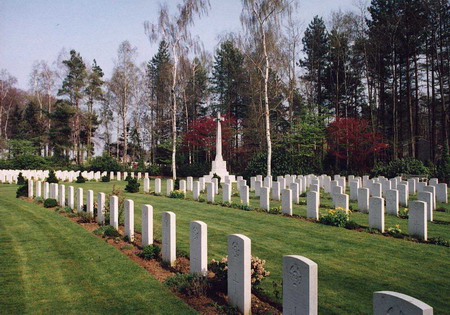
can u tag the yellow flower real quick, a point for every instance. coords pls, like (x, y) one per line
(397, 226)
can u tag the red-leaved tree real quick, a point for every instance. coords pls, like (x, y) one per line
(352, 140)
(201, 136)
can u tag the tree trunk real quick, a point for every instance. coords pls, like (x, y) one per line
(266, 106)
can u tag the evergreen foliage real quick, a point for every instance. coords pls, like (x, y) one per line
(80, 179)
(132, 186)
(52, 177)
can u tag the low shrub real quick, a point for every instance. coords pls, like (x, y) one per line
(80, 179)
(132, 186)
(443, 166)
(401, 166)
(110, 232)
(105, 179)
(20, 179)
(220, 271)
(275, 210)
(351, 225)
(52, 177)
(149, 252)
(218, 179)
(338, 217)
(403, 213)
(50, 203)
(188, 284)
(85, 217)
(179, 194)
(439, 241)
(39, 199)
(22, 191)
(100, 230)
(395, 231)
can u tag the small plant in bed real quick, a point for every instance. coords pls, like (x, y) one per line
(178, 194)
(132, 186)
(50, 203)
(188, 284)
(80, 179)
(105, 179)
(337, 217)
(149, 252)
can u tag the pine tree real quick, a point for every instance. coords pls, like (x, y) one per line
(94, 93)
(73, 87)
(316, 47)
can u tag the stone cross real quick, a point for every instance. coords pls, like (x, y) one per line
(219, 138)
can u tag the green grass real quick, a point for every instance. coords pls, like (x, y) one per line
(352, 265)
(50, 265)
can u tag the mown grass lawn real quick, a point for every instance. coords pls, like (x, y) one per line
(50, 265)
(352, 265)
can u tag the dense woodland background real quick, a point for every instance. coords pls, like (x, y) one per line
(347, 94)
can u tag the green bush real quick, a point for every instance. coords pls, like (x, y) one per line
(20, 179)
(395, 231)
(105, 179)
(39, 199)
(50, 203)
(194, 169)
(149, 252)
(400, 166)
(218, 179)
(85, 217)
(52, 177)
(336, 217)
(110, 232)
(80, 179)
(105, 163)
(177, 194)
(443, 166)
(132, 186)
(22, 191)
(275, 210)
(439, 241)
(188, 284)
(27, 161)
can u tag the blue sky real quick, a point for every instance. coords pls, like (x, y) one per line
(33, 30)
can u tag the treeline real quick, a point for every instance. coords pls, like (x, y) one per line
(291, 97)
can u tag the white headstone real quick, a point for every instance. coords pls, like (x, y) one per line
(276, 191)
(300, 285)
(46, 190)
(375, 190)
(341, 201)
(417, 219)
(388, 302)
(312, 205)
(210, 192)
(62, 195)
(226, 192)
(264, 198)
(427, 197)
(354, 186)
(90, 202)
(432, 190)
(183, 185)
(71, 197)
(403, 194)
(198, 245)
(129, 219)
(147, 225)
(392, 202)
(101, 208)
(169, 186)
(146, 185)
(79, 199)
(376, 213)
(30, 188)
(244, 195)
(158, 186)
(239, 272)
(258, 185)
(412, 186)
(421, 186)
(363, 200)
(114, 212)
(295, 193)
(169, 249)
(189, 182)
(196, 190)
(38, 189)
(216, 185)
(441, 193)
(286, 201)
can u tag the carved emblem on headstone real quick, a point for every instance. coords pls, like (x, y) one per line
(236, 249)
(195, 232)
(295, 274)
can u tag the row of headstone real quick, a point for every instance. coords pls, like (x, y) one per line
(300, 274)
